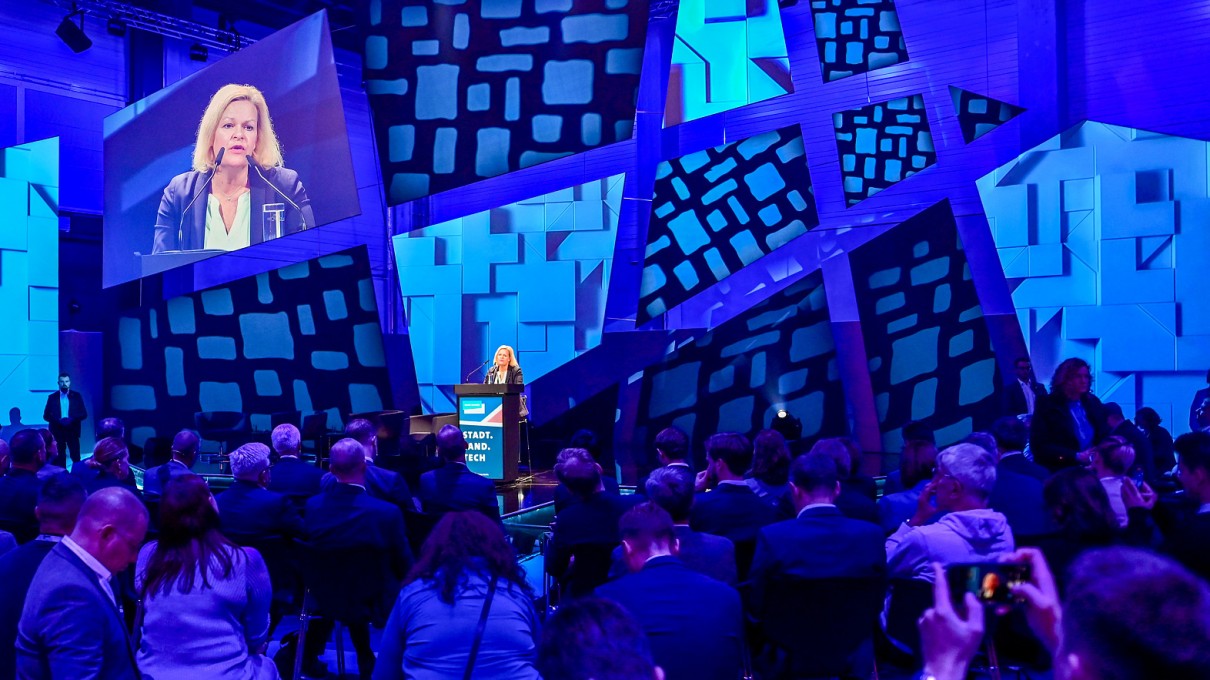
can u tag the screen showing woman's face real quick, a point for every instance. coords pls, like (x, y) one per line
(237, 130)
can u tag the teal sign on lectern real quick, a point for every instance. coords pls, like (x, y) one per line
(482, 423)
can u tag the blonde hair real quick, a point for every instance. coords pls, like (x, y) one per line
(267, 151)
(512, 356)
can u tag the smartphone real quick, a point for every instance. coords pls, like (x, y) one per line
(1138, 479)
(990, 582)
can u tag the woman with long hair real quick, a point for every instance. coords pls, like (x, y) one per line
(108, 466)
(1068, 420)
(466, 571)
(205, 600)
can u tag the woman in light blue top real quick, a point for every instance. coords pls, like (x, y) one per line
(205, 600)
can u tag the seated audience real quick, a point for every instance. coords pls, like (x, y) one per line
(595, 639)
(292, 476)
(1127, 615)
(1159, 437)
(114, 427)
(586, 440)
(1110, 460)
(108, 466)
(590, 521)
(466, 568)
(852, 502)
(59, 502)
(1079, 509)
(184, 454)
(1016, 496)
(380, 483)
(1012, 436)
(1069, 420)
(249, 512)
(1120, 426)
(345, 516)
(671, 450)
(205, 599)
(453, 487)
(731, 509)
(770, 473)
(19, 486)
(820, 542)
(916, 471)
(71, 626)
(1189, 542)
(694, 623)
(952, 522)
(917, 435)
(855, 480)
(50, 469)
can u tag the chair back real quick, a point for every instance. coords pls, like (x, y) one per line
(823, 625)
(909, 598)
(281, 559)
(352, 585)
(744, 552)
(23, 533)
(589, 568)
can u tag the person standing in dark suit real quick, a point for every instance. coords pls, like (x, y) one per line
(1022, 394)
(453, 487)
(71, 625)
(64, 412)
(694, 623)
(1069, 420)
(380, 483)
(248, 511)
(1199, 398)
(292, 476)
(184, 455)
(19, 487)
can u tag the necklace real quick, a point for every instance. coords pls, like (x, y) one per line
(230, 197)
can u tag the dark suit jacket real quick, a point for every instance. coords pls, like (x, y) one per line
(733, 511)
(452, 487)
(1021, 465)
(382, 484)
(250, 513)
(564, 497)
(69, 627)
(707, 554)
(1189, 543)
(185, 187)
(295, 479)
(1014, 397)
(1052, 436)
(75, 411)
(95, 479)
(18, 496)
(1019, 498)
(1161, 448)
(1198, 398)
(17, 570)
(345, 516)
(513, 377)
(593, 520)
(156, 478)
(694, 623)
(822, 543)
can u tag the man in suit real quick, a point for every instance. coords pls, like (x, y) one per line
(851, 502)
(671, 450)
(380, 483)
(19, 487)
(248, 510)
(345, 516)
(731, 509)
(1121, 426)
(453, 487)
(1022, 393)
(184, 454)
(1011, 436)
(694, 623)
(59, 502)
(71, 625)
(64, 412)
(1016, 496)
(592, 520)
(115, 427)
(1196, 406)
(292, 476)
(1189, 542)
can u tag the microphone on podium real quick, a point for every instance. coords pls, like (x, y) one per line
(477, 368)
(301, 218)
(180, 229)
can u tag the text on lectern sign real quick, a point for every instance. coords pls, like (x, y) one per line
(481, 420)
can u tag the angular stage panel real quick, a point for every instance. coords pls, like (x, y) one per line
(719, 210)
(929, 350)
(979, 115)
(857, 36)
(1102, 233)
(882, 144)
(462, 91)
(726, 55)
(532, 275)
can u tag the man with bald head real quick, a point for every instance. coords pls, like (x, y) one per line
(453, 487)
(71, 625)
(184, 454)
(380, 483)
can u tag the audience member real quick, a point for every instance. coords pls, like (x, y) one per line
(51, 468)
(19, 486)
(184, 454)
(770, 472)
(108, 466)
(380, 483)
(1016, 496)
(1069, 420)
(1022, 394)
(952, 522)
(1159, 437)
(693, 622)
(71, 625)
(1196, 406)
(855, 480)
(731, 509)
(1012, 436)
(915, 434)
(59, 502)
(1189, 542)
(1202, 416)
(671, 449)
(250, 512)
(1080, 510)
(1110, 460)
(820, 542)
(14, 424)
(467, 573)
(851, 502)
(345, 516)
(595, 639)
(590, 521)
(586, 440)
(1121, 426)
(292, 476)
(64, 412)
(453, 487)
(114, 427)
(916, 471)
(205, 600)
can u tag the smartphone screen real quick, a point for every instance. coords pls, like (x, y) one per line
(1138, 478)
(989, 581)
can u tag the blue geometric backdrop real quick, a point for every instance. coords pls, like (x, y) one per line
(856, 36)
(882, 144)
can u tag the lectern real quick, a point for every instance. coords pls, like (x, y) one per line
(489, 417)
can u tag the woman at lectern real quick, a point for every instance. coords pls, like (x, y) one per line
(238, 192)
(505, 370)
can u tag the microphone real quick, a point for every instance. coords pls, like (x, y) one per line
(468, 375)
(180, 229)
(252, 164)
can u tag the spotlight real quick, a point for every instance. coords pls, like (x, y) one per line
(73, 35)
(787, 426)
(781, 413)
(198, 52)
(116, 27)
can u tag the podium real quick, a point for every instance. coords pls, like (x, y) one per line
(155, 263)
(489, 417)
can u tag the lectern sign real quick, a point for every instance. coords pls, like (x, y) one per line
(481, 419)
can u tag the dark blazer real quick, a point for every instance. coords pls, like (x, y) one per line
(1021, 465)
(250, 513)
(1189, 543)
(17, 570)
(69, 627)
(733, 511)
(1052, 435)
(156, 478)
(452, 487)
(1014, 397)
(345, 516)
(18, 496)
(382, 484)
(592, 520)
(1198, 398)
(694, 623)
(707, 554)
(822, 543)
(187, 186)
(1162, 448)
(95, 479)
(564, 497)
(75, 414)
(513, 377)
(295, 479)
(1019, 498)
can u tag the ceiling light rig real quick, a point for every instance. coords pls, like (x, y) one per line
(137, 18)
